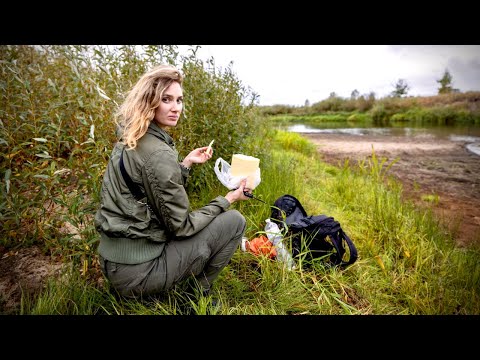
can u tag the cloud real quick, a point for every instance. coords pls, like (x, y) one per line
(292, 74)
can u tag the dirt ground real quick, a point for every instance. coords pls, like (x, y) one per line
(24, 270)
(425, 166)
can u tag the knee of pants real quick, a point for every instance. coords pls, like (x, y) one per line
(236, 218)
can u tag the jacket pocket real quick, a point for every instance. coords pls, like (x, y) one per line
(139, 219)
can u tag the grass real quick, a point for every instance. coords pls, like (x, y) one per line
(406, 265)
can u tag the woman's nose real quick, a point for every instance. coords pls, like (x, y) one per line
(176, 107)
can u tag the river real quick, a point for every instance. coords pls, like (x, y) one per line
(468, 135)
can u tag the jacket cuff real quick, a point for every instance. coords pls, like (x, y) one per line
(223, 202)
(185, 171)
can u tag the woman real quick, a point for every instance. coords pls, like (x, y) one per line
(149, 245)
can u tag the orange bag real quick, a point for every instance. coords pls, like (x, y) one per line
(261, 246)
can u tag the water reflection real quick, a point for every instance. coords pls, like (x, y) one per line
(468, 134)
(474, 148)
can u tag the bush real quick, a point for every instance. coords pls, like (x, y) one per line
(57, 130)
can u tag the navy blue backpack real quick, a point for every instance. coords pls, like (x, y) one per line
(315, 235)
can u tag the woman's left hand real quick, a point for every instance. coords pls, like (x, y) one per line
(197, 156)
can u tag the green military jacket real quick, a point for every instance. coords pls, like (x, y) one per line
(129, 232)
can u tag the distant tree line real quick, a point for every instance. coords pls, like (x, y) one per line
(365, 102)
(401, 89)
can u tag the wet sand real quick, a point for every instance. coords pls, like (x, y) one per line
(425, 166)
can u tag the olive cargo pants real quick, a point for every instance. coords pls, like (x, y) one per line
(203, 255)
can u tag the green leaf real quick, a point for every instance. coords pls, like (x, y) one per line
(51, 83)
(8, 173)
(102, 93)
(40, 139)
(61, 171)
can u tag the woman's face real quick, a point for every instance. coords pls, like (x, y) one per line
(171, 104)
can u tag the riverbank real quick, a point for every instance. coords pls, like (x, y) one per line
(425, 166)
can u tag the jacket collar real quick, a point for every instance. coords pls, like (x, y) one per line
(157, 131)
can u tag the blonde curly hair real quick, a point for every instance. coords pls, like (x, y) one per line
(138, 109)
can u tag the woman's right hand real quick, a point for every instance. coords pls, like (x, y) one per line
(237, 194)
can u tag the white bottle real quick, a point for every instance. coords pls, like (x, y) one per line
(274, 234)
(243, 245)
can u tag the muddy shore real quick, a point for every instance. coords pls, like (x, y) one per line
(425, 166)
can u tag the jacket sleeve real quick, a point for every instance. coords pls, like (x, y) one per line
(164, 184)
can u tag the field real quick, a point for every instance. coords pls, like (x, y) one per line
(434, 172)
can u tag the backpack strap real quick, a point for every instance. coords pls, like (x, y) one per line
(134, 187)
(337, 241)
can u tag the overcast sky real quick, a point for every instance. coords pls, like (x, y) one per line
(292, 74)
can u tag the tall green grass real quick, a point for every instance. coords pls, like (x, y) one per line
(407, 263)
